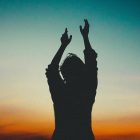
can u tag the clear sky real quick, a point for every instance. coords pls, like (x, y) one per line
(30, 32)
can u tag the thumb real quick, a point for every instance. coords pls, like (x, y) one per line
(80, 28)
(70, 38)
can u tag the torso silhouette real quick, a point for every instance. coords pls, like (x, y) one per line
(73, 101)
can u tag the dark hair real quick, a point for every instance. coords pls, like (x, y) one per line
(72, 66)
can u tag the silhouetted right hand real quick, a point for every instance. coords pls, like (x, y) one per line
(84, 31)
(65, 40)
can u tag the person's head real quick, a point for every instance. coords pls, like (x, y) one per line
(72, 67)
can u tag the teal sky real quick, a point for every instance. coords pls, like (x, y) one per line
(30, 32)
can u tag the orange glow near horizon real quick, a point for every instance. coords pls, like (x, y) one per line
(43, 127)
(100, 131)
(22, 117)
(114, 128)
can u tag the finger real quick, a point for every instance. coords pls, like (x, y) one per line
(66, 30)
(70, 37)
(80, 28)
(86, 22)
(65, 33)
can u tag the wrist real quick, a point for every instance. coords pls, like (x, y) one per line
(85, 38)
(63, 46)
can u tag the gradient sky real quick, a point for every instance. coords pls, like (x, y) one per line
(30, 32)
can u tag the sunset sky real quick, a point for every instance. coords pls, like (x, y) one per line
(30, 32)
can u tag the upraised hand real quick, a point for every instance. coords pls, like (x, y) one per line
(65, 40)
(84, 31)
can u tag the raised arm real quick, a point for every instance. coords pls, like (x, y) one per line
(65, 40)
(56, 84)
(89, 52)
(90, 59)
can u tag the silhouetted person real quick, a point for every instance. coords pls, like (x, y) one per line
(74, 94)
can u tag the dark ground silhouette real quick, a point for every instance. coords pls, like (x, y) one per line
(74, 94)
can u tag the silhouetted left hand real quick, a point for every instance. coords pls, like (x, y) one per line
(65, 40)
